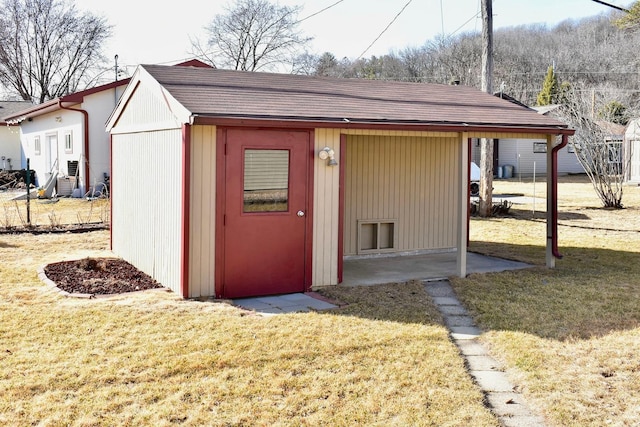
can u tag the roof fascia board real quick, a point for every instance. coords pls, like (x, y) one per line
(37, 110)
(79, 96)
(428, 127)
(53, 105)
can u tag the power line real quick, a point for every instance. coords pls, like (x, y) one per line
(320, 11)
(612, 5)
(385, 29)
(463, 25)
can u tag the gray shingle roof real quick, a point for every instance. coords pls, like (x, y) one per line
(9, 107)
(238, 94)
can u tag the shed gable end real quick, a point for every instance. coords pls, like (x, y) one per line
(146, 109)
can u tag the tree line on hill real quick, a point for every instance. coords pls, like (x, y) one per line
(593, 56)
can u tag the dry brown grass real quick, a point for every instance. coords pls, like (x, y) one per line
(570, 336)
(154, 359)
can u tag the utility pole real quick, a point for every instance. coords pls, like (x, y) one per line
(486, 144)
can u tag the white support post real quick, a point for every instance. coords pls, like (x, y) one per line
(463, 206)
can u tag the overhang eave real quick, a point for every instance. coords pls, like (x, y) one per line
(374, 124)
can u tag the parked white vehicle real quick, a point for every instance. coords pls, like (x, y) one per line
(474, 178)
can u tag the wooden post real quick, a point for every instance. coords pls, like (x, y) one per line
(550, 259)
(486, 144)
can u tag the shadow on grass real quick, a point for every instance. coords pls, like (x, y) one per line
(7, 245)
(395, 302)
(528, 215)
(590, 293)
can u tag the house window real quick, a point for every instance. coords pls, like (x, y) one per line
(37, 147)
(266, 181)
(68, 143)
(539, 147)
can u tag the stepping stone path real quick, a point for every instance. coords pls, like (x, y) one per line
(501, 396)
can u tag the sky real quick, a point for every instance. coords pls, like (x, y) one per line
(161, 34)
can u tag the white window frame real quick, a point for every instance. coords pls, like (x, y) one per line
(37, 146)
(539, 147)
(68, 142)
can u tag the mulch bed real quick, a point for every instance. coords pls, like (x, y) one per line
(47, 229)
(99, 276)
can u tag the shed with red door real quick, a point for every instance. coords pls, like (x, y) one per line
(231, 184)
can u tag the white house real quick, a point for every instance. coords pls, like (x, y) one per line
(514, 157)
(11, 157)
(65, 137)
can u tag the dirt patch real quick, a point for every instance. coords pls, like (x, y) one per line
(99, 276)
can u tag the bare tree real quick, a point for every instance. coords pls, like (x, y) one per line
(252, 35)
(597, 144)
(48, 48)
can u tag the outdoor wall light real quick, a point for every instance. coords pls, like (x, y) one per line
(328, 153)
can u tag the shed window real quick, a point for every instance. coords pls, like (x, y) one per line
(37, 147)
(266, 180)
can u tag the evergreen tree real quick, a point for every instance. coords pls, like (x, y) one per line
(630, 20)
(614, 112)
(549, 91)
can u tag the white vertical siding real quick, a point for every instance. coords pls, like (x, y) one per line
(632, 150)
(326, 212)
(99, 105)
(144, 104)
(203, 212)
(146, 199)
(633, 153)
(519, 154)
(10, 147)
(408, 179)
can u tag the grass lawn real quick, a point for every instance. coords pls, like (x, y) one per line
(51, 214)
(154, 359)
(569, 336)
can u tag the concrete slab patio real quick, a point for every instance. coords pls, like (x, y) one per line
(289, 303)
(388, 269)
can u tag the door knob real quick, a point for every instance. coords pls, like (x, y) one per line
(300, 213)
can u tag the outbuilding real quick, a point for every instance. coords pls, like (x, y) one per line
(631, 150)
(232, 184)
(10, 150)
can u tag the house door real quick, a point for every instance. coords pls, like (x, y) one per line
(266, 218)
(51, 154)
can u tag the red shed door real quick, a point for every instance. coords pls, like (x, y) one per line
(266, 174)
